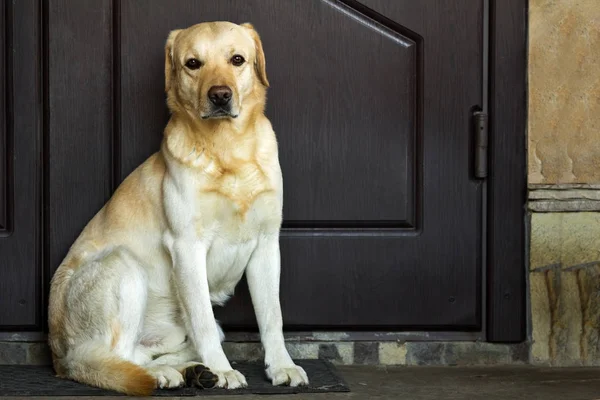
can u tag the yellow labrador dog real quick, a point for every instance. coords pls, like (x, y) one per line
(131, 304)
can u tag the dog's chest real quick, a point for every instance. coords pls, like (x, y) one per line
(241, 186)
(239, 196)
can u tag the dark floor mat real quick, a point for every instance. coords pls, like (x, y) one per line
(19, 380)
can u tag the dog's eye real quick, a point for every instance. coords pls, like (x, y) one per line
(192, 63)
(237, 60)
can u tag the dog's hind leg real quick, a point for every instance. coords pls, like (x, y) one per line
(106, 301)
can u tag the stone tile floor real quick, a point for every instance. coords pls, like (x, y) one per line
(450, 383)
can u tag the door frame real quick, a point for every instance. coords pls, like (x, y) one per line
(503, 288)
(506, 271)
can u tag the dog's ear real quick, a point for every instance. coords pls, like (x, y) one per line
(259, 63)
(169, 65)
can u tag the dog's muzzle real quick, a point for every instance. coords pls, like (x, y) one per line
(221, 104)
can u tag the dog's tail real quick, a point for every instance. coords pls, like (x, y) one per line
(95, 365)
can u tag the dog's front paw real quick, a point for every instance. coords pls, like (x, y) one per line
(231, 379)
(289, 375)
(166, 377)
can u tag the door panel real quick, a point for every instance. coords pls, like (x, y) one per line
(21, 289)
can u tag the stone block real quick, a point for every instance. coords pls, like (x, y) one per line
(425, 353)
(564, 88)
(392, 353)
(565, 289)
(366, 353)
(477, 353)
(303, 350)
(13, 353)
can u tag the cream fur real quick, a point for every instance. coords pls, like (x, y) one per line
(179, 233)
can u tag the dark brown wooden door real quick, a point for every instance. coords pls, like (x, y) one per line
(371, 102)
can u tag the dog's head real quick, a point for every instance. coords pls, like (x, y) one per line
(214, 70)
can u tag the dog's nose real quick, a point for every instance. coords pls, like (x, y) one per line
(220, 95)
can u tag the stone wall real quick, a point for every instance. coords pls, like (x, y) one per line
(564, 181)
(564, 91)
